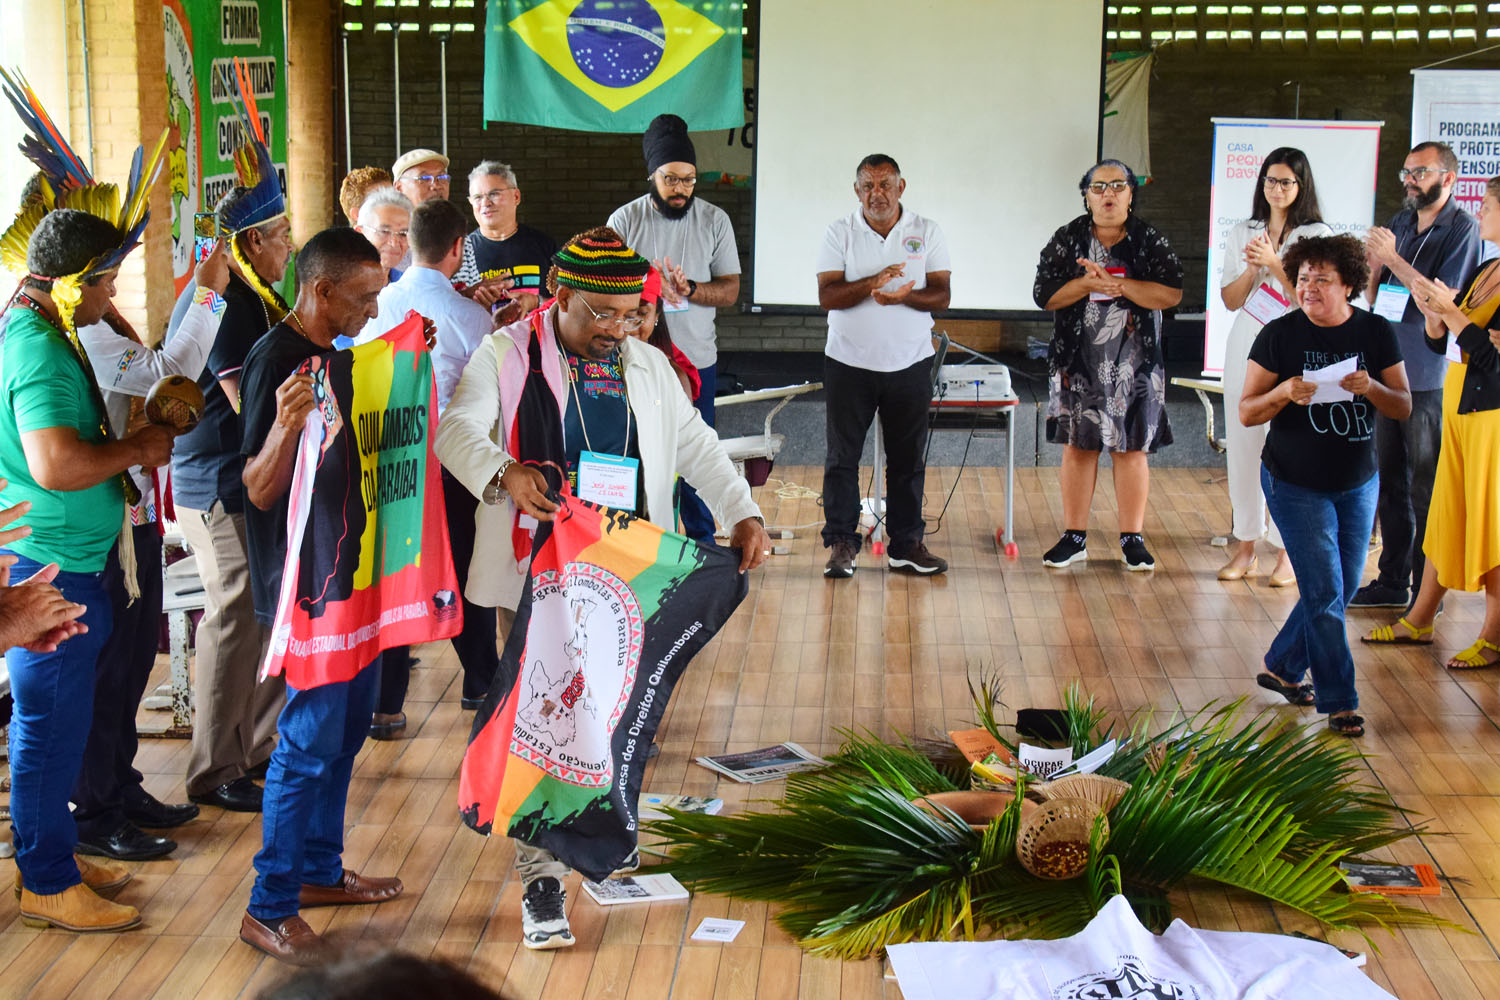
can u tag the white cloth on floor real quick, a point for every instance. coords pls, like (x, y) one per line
(1116, 957)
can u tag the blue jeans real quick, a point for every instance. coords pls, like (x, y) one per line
(302, 819)
(54, 708)
(697, 522)
(1327, 537)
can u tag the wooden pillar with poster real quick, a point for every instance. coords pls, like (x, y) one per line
(201, 38)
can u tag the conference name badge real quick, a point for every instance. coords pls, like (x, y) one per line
(668, 306)
(608, 480)
(1391, 301)
(1454, 352)
(1266, 304)
(1114, 272)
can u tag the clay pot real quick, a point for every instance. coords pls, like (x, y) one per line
(978, 809)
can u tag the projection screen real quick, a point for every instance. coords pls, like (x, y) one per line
(991, 107)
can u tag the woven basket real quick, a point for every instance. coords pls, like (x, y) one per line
(1096, 788)
(1058, 825)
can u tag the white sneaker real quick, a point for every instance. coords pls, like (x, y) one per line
(544, 918)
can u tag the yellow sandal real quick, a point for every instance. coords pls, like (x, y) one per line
(1473, 657)
(1387, 635)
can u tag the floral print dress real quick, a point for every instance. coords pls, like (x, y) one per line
(1107, 386)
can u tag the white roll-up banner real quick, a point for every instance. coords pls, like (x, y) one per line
(1342, 156)
(1462, 108)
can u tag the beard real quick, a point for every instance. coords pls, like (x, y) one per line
(1423, 198)
(665, 207)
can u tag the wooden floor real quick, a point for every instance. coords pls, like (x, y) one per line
(802, 657)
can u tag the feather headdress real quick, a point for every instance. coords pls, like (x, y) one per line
(252, 160)
(67, 183)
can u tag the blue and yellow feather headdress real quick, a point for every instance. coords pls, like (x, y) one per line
(252, 160)
(67, 183)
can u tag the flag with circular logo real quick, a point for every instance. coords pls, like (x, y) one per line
(614, 609)
(613, 65)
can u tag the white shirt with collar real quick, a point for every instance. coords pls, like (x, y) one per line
(872, 336)
(461, 323)
(671, 435)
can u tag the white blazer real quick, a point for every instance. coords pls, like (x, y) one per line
(672, 437)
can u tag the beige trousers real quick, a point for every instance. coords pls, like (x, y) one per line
(234, 723)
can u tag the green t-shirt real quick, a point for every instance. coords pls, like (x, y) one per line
(42, 384)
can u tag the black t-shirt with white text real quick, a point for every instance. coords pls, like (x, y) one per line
(524, 257)
(1328, 447)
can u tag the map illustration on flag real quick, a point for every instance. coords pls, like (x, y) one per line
(368, 562)
(613, 65)
(614, 609)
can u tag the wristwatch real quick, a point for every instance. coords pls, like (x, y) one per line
(494, 493)
(692, 287)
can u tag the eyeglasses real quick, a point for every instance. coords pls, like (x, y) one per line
(387, 233)
(1285, 183)
(429, 178)
(1099, 187)
(609, 321)
(673, 181)
(488, 197)
(1418, 174)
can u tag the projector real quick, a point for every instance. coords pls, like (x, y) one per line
(973, 383)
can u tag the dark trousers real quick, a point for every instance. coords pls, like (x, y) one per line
(855, 396)
(475, 645)
(120, 676)
(697, 522)
(1407, 452)
(395, 676)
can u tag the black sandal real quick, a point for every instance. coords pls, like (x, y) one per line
(1347, 725)
(1297, 694)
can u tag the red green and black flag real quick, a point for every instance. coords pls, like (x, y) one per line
(614, 609)
(368, 563)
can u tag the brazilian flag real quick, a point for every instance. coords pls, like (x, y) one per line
(613, 65)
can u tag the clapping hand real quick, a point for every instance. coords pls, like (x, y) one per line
(1097, 279)
(1258, 252)
(674, 284)
(1380, 245)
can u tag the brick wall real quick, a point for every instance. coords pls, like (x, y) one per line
(126, 71)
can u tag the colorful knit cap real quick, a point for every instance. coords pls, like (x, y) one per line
(599, 261)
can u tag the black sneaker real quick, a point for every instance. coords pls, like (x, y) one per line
(916, 560)
(840, 565)
(1137, 558)
(544, 918)
(1071, 548)
(1377, 595)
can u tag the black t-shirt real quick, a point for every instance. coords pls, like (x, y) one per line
(275, 356)
(1329, 447)
(206, 462)
(525, 256)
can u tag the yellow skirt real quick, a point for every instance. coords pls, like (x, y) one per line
(1463, 523)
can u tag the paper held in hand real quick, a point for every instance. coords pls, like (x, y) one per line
(1327, 380)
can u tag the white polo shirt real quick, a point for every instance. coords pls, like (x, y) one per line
(872, 336)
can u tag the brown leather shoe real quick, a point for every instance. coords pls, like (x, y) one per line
(290, 941)
(76, 908)
(352, 888)
(100, 876)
